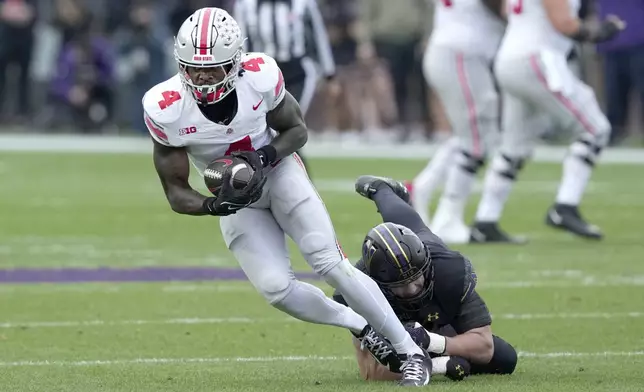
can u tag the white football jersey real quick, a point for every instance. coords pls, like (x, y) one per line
(173, 118)
(468, 26)
(529, 30)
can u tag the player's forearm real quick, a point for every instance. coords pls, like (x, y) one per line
(289, 123)
(186, 201)
(290, 141)
(476, 347)
(561, 18)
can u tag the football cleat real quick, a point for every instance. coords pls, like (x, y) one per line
(367, 186)
(490, 232)
(567, 217)
(416, 370)
(380, 348)
(457, 368)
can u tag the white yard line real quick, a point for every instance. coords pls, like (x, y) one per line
(180, 321)
(313, 149)
(290, 358)
(245, 287)
(251, 320)
(567, 316)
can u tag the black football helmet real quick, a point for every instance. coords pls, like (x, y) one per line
(394, 256)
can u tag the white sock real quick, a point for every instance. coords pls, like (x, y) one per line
(432, 177)
(439, 365)
(308, 303)
(457, 191)
(364, 296)
(575, 176)
(496, 189)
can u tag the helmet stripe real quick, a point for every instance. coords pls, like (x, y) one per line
(402, 251)
(392, 245)
(203, 29)
(388, 247)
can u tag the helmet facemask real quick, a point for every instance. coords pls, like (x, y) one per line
(415, 302)
(210, 84)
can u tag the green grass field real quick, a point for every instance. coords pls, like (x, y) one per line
(574, 309)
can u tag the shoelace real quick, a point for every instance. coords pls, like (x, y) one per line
(412, 369)
(375, 345)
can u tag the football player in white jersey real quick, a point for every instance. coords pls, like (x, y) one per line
(226, 102)
(535, 78)
(458, 67)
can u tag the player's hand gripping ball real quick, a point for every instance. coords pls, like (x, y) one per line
(240, 173)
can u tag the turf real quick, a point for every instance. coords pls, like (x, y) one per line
(572, 308)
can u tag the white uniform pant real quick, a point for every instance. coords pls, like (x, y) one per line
(289, 205)
(542, 83)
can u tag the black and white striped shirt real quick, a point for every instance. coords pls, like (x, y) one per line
(284, 30)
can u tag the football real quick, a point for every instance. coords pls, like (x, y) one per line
(241, 173)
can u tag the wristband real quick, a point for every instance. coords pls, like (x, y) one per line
(437, 343)
(267, 154)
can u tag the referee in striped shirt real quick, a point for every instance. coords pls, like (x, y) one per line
(287, 30)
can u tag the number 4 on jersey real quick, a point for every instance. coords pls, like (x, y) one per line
(169, 97)
(253, 64)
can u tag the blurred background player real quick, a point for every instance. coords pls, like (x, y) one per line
(429, 286)
(287, 30)
(534, 77)
(458, 67)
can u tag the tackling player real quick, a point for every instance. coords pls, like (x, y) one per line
(430, 285)
(226, 102)
(535, 78)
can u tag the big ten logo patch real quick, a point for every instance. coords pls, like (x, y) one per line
(187, 131)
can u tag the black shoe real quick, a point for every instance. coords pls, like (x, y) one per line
(380, 348)
(367, 186)
(416, 370)
(567, 217)
(490, 232)
(457, 368)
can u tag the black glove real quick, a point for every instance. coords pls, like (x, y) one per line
(231, 200)
(605, 31)
(257, 160)
(252, 157)
(260, 158)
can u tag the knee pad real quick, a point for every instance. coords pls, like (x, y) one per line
(274, 290)
(508, 166)
(504, 360)
(469, 162)
(321, 251)
(589, 148)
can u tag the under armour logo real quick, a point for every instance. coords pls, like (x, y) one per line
(460, 370)
(433, 317)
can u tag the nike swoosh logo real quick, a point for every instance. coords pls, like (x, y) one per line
(477, 235)
(555, 217)
(259, 103)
